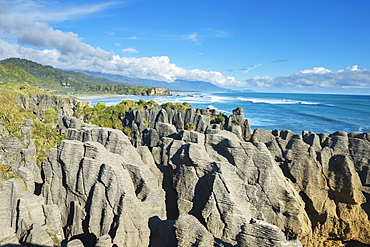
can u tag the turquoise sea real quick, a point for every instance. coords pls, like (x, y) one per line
(319, 113)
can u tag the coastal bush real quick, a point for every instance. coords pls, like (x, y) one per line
(189, 126)
(45, 137)
(220, 118)
(50, 116)
(6, 172)
(12, 115)
(177, 106)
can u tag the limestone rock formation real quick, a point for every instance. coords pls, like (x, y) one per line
(186, 178)
(25, 217)
(322, 169)
(39, 103)
(103, 192)
(17, 153)
(259, 233)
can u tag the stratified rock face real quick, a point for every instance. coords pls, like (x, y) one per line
(185, 180)
(259, 233)
(158, 91)
(150, 125)
(224, 182)
(17, 153)
(102, 192)
(38, 103)
(326, 171)
(203, 187)
(25, 218)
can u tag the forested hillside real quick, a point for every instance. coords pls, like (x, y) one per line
(15, 70)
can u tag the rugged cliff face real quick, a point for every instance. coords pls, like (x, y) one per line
(188, 178)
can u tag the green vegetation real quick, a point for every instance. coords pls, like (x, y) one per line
(189, 126)
(15, 70)
(12, 116)
(220, 117)
(177, 106)
(109, 116)
(6, 172)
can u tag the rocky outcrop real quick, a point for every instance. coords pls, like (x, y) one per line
(191, 178)
(158, 91)
(326, 171)
(149, 125)
(17, 153)
(38, 103)
(101, 184)
(25, 218)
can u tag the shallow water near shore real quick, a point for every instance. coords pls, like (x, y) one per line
(319, 113)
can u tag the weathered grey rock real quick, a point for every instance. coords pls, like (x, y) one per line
(16, 154)
(30, 212)
(104, 241)
(53, 221)
(26, 130)
(225, 181)
(75, 243)
(36, 235)
(192, 136)
(260, 233)
(150, 137)
(325, 177)
(104, 191)
(8, 236)
(190, 232)
(27, 176)
(10, 192)
(165, 129)
(113, 140)
(148, 160)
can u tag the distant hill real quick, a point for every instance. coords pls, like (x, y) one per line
(178, 85)
(16, 70)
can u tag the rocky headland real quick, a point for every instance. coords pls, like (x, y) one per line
(182, 177)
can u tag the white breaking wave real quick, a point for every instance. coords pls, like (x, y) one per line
(217, 110)
(219, 99)
(276, 101)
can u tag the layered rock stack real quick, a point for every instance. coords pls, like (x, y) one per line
(184, 178)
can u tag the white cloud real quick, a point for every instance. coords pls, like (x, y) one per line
(39, 42)
(318, 77)
(131, 38)
(199, 37)
(42, 10)
(130, 50)
(246, 69)
(66, 51)
(249, 68)
(316, 70)
(193, 37)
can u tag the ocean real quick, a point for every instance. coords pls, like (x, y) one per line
(319, 113)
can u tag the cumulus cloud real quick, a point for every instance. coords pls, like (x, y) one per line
(130, 50)
(318, 77)
(66, 50)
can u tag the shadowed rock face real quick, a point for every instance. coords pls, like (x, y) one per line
(217, 185)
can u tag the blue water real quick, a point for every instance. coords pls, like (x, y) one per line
(318, 113)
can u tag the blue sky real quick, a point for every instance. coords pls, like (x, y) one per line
(300, 46)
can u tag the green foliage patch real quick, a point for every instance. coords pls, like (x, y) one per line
(6, 172)
(12, 116)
